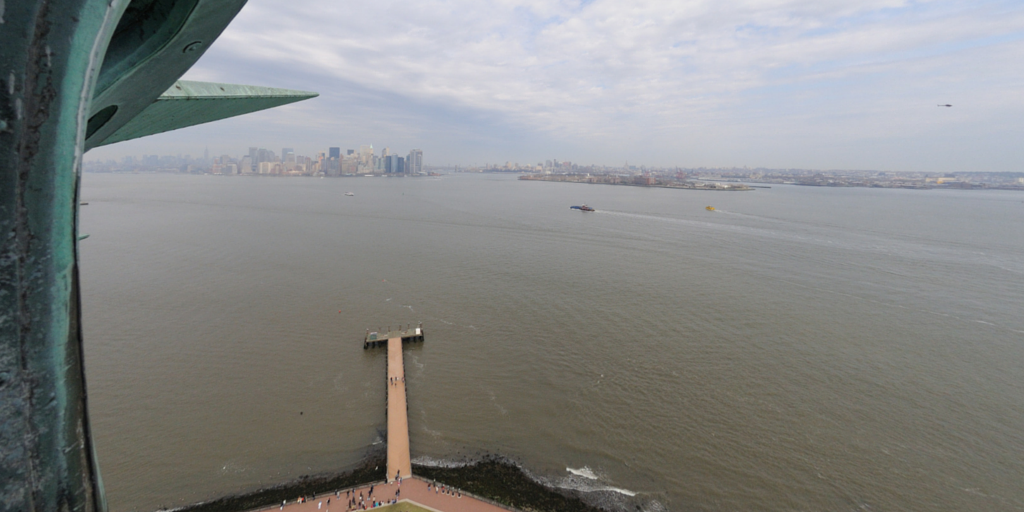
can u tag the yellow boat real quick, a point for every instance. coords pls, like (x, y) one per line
(709, 208)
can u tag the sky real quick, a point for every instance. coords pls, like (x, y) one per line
(813, 84)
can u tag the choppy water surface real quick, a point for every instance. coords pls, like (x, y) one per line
(798, 349)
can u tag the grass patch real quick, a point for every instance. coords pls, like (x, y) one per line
(402, 507)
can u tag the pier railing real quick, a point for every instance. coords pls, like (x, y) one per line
(380, 337)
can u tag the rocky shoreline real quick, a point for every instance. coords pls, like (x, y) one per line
(502, 481)
(493, 477)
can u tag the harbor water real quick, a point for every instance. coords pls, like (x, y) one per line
(798, 348)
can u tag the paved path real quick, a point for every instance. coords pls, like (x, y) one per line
(398, 414)
(412, 489)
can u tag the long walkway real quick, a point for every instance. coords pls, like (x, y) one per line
(399, 462)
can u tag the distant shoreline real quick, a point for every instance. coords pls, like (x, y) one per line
(733, 185)
(607, 180)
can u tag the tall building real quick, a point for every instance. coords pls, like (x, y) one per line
(350, 165)
(366, 157)
(350, 152)
(253, 160)
(262, 155)
(245, 165)
(287, 155)
(366, 154)
(414, 162)
(394, 164)
(332, 165)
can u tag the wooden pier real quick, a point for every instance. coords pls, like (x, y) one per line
(380, 337)
(399, 460)
(415, 491)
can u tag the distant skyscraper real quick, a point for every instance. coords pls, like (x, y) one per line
(394, 164)
(350, 152)
(285, 152)
(366, 156)
(414, 162)
(332, 166)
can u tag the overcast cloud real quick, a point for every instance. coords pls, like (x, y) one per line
(780, 83)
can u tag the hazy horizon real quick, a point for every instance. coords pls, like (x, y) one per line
(786, 84)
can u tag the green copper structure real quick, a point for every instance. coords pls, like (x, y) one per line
(76, 74)
(192, 103)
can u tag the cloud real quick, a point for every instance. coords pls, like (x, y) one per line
(671, 83)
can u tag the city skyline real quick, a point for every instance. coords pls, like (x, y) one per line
(258, 160)
(351, 162)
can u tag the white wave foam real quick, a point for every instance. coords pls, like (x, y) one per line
(625, 492)
(585, 480)
(438, 463)
(600, 488)
(585, 472)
